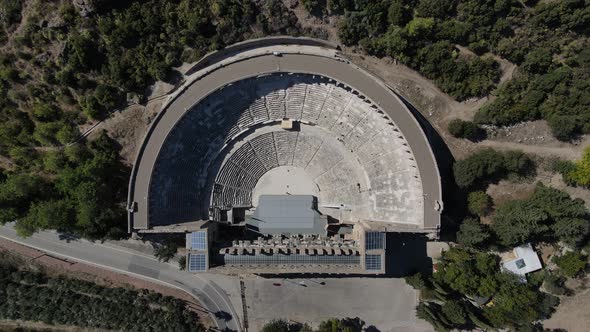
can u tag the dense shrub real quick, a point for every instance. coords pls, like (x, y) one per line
(465, 129)
(489, 165)
(545, 87)
(580, 174)
(10, 12)
(279, 325)
(538, 61)
(416, 281)
(341, 325)
(472, 233)
(479, 203)
(520, 221)
(330, 325)
(555, 95)
(482, 165)
(166, 251)
(46, 112)
(571, 263)
(314, 6)
(426, 39)
(454, 312)
(549, 214)
(555, 285)
(88, 182)
(563, 167)
(564, 127)
(398, 13)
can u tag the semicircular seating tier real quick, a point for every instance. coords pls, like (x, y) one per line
(218, 151)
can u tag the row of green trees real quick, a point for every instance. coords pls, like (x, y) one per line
(34, 296)
(488, 165)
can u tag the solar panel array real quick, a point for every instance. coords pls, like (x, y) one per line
(199, 240)
(261, 259)
(374, 240)
(197, 262)
(373, 262)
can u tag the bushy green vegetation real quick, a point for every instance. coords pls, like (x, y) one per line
(10, 12)
(581, 172)
(555, 285)
(166, 251)
(548, 40)
(548, 215)
(78, 189)
(423, 35)
(489, 165)
(34, 296)
(314, 6)
(330, 325)
(465, 129)
(571, 263)
(182, 263)
(550, 46)
(416, 280)
(473, 234)
(463, 276)
(277, 325)
(479, 203)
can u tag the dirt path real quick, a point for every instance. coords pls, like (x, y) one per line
(508, 68)
(567, 151)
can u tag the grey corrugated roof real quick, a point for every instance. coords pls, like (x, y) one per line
(293, 214)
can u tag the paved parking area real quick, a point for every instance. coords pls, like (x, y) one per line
(385, 303)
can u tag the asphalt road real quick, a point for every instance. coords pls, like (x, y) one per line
(331, 67)
(123, 260)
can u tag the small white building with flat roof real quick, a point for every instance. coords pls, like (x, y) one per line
(526, 261)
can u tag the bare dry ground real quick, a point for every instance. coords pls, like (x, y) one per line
(129, 127)
(572, 314)
(18, 325)
(57, 266)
